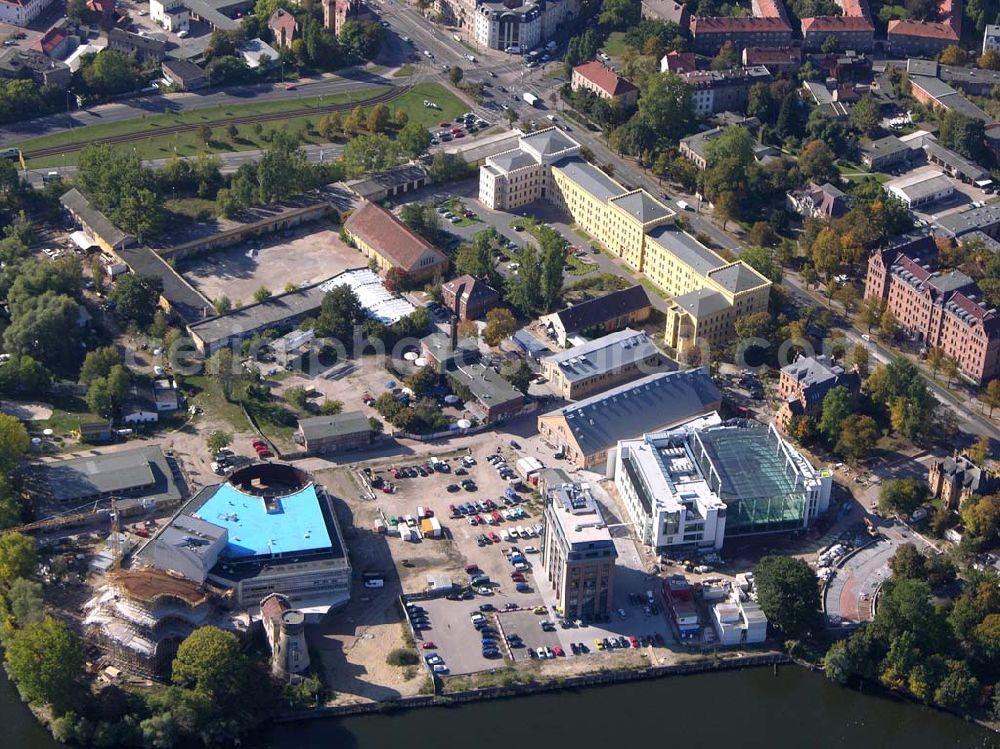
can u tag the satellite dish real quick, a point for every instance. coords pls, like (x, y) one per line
(410, 355)
(420, 362)
(463, 423)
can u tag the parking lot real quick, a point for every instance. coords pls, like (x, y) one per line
(301, 256)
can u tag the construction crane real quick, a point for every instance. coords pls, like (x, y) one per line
(116, 545)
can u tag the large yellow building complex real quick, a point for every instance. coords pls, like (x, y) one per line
(708, 292)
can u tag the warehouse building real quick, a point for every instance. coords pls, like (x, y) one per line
(139, 472)
(602, 363)
(588, 432)
(921, 189)
(329, 434)
(604, 314)
(694, 486)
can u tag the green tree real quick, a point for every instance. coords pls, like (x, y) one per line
(989, 60)
(413, 140)
(888, 325)
(788, 594)
(447, 167)
(953, 55)
(210, 660)
(817, 162)
(552, 261)
(340, 311)
(960, 689)
(18, 558)
(763, 261)
(360, 40)
(836, 408)
(13, 443)
(332, 407)
(223, 367)
(908, 563)
(518, 374)
(619, 14)
(981, 516)
(262, 294)
(26, 601)
(901, 496)
(866, 115)
(45, 659)
(858, 437)
(455, 75)
(136, 297)
(727, 58)
(524, 288)
(98, 363)
(217, 440)
(369, 153)
(500, 324)
(379, 118)
(991, 397)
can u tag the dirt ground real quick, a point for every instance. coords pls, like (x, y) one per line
(27, 411)
(309, 254)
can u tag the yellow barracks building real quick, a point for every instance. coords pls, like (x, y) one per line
(708, 292)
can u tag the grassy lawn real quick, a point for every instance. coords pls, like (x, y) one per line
(204, 391)
(403, 72)
(153, 123)
(193, 209)
(412, 102)
(857, 173)
(650, 286)
(578, 267)
(457, 206)
(615, 45)
(247, 137)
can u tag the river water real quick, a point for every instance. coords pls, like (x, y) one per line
(751, 709)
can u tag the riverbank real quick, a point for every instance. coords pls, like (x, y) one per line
(604, 677)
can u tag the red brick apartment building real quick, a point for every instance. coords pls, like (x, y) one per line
(768, 27)
(913, 38)
(942, 310)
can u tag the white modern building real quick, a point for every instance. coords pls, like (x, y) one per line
(991, 37)
(709, 480)
(921, 189)
(516, 26)
(172, 15)
(738, 621)
(21, 12)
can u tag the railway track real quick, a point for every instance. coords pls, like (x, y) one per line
(394, 92)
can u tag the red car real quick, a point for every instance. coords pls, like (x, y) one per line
(444, 124)
(633, 641)
(557, 650)
(517, 577)
(494, 538)
(428, 513)
(456, 130)
(497, 517)
(257, 444)
(428, 645)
